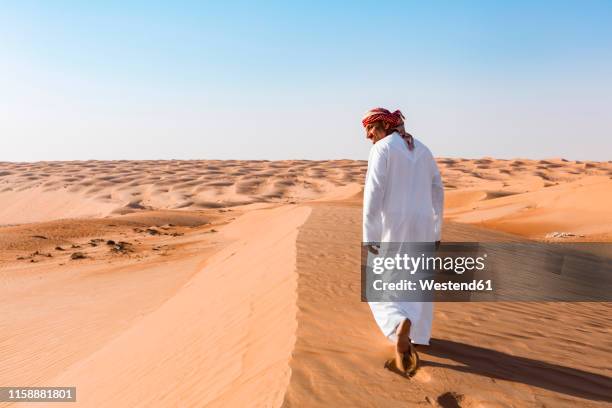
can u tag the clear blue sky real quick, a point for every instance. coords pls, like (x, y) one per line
(279, 80)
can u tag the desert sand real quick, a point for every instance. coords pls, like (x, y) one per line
(236, 283)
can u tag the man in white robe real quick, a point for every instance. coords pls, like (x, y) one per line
(403, 202)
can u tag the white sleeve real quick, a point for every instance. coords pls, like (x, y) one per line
(373, 195)
(437, 199)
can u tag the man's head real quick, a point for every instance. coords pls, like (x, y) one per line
(380, 122)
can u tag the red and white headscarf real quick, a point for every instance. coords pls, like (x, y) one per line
(394, 119)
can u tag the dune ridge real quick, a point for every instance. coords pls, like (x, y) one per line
(223, 338)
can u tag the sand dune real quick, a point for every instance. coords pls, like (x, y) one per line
(34, 192)
(224, 339)
(478, 191)
(531, 198)
(581, 207)
(482, 354)
(235, 283)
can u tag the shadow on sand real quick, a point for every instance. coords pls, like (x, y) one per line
(495, 364)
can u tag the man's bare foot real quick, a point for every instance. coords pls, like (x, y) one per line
(406, 358)
(403, 336)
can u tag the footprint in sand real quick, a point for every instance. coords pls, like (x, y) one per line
(450, 399)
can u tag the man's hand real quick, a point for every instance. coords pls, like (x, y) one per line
(373, 249)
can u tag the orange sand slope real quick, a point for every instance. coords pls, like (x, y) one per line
(542, 200)
(189, 328)
(193, 290)
(482, 354)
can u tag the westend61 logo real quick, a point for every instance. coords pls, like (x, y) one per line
(412, 264)
(486, 271)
